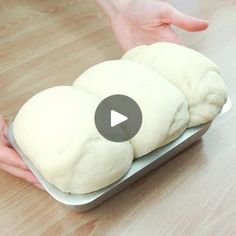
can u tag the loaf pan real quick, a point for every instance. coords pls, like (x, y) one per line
(140, 167)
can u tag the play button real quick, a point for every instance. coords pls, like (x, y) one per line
(118, 118)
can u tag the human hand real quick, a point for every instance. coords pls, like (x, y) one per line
(10, 161)
(138, 22)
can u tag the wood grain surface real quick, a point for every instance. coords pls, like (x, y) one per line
(50, 42)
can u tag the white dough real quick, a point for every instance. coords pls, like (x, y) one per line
(164, 108)
(56, 130)
(191, 72)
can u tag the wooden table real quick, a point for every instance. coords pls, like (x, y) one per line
(47, 43)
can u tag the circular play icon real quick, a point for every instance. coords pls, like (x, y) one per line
(118, 118)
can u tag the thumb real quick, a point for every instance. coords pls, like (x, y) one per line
(189, 23)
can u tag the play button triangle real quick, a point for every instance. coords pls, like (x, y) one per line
(117, 118)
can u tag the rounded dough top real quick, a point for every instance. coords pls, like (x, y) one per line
(191, 72)
(56, 130)
(164, 108)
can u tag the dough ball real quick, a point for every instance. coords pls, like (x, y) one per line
(191, 72)
(164, 108)
(56, 130)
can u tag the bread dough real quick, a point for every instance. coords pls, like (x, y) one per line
(56, 130)
(164, 108)
(191, 72)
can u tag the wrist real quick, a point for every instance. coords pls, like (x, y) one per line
(114, 7)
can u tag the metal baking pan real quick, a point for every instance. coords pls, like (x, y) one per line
(139, 168)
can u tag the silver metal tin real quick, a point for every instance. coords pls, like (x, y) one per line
(139, 168)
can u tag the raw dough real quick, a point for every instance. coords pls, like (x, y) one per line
(56, 130)
(193, 73)
(164, 108)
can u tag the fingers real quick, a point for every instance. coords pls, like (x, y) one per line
(189, 23)
(24, 174)
(10, 157)
(10, 161)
